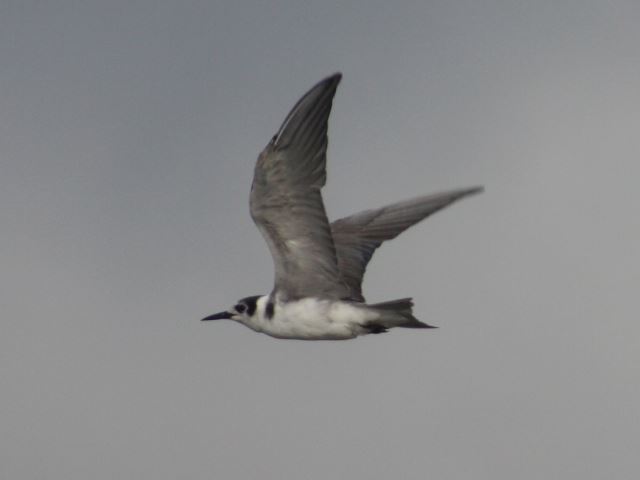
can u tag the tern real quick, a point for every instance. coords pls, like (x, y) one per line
(317, 293)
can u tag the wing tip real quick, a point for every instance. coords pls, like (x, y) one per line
(329, 83)
(334, 78)
(475, 190)
(459, 193)
(319, 93)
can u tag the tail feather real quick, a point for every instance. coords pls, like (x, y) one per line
(398, 313)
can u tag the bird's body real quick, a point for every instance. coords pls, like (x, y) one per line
(319, 266)
(314, 318)
(308, 319)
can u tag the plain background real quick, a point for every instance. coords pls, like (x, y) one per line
(128, 135)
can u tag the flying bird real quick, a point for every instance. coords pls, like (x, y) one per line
(317, 293)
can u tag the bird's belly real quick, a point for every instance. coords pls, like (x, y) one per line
(317, 320)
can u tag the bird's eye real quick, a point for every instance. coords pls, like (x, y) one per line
(240, 308)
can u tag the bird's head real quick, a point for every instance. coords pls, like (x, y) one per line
(242, 311)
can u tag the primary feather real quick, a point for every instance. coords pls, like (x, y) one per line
(356, 237)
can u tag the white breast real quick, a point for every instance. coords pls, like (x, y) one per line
(311, 319)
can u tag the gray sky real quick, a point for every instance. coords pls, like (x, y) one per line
(128, 135)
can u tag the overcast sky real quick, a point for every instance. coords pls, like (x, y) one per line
(128, 136)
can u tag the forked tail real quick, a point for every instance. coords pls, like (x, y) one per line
(397, 313)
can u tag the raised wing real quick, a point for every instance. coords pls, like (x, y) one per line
(286, 203)
(356, 237)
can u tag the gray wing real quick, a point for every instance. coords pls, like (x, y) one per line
(356, 237)
(286, 204)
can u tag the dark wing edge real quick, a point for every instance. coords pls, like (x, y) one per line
(357, 236)
(306, 124)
